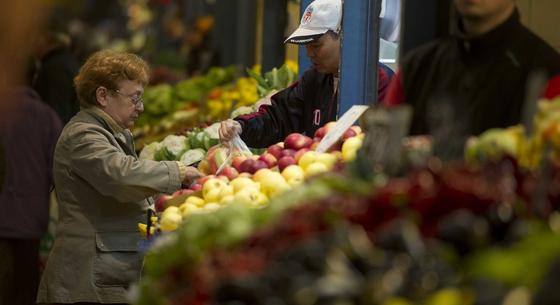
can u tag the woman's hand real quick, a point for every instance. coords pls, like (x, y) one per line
(192, 174)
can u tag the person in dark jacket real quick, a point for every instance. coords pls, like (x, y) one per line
(476, 78)
(312, 101)
(28, 137)
(55, 73)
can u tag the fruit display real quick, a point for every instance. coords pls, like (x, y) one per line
(439, 233)
(450, 234)
(529, 149)
(251, 180)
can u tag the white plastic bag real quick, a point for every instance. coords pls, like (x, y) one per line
(235, 147)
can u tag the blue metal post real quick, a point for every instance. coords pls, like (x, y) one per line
(303, 61)
(360, 53)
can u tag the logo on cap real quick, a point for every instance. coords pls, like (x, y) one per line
(307, 15)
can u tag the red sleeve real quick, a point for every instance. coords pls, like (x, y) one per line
(395, 92)
(553, 88)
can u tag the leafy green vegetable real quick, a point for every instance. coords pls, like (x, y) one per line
(193, 156)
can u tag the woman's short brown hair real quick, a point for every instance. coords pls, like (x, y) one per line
(107, 68)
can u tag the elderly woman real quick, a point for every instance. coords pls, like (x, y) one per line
(103, 188)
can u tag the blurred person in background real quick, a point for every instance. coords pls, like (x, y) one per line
(312, 101)
(480, 72)
(103, 189)
(200, 55)
(28, 136)
(19, 20)
(56, 69)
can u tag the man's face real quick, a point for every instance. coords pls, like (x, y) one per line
(482, 9)
(125, 104)
(324, 53)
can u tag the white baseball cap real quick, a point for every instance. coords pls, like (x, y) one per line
(319, 17)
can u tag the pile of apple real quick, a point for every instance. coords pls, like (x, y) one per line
(253, 180)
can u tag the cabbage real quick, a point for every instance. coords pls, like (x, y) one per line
(149, 151)
(192, 156)
(173, 147)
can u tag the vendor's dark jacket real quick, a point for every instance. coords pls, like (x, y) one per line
(303, 107)
(477, 83)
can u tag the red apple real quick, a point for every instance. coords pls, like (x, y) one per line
(275, 150)
(230, 172)
(269, 159)
(335, 147)
(357, 129)
(245, 175)
(300, 153)
(314, 146)
(348, 134)
(196, 187)
(330, 125)
(258, 164)
(288, 152)
(182, 192)
(285, 162)
(297, 141)
(251, 166)
(160, 202)
(236, 162)
(320, 133)
(204, 179)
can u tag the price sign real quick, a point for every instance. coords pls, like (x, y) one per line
(385, 129)
(334, 134)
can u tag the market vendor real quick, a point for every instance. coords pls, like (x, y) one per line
(103, 189)
(480, 73)
(312, 101)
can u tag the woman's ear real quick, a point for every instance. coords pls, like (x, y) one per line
(101, 95)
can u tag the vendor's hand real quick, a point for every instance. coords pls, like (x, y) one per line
(228, 130)
(192, 174)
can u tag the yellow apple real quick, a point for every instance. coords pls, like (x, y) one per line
(212, 184)
(315, 168)
(213, 195)
(261, 173)
(307, 158)
(170, 221)
(171, 210)
(187, 209)
(212, 206)
(226, 191)
(225, 200)
(251, 197)
(292, 172)
(199, 202)
(272, 182)
(327, 159)
(350, 147)
(279, 189)
(295, 181)
(240, 183)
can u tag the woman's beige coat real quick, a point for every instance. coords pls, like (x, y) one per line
(103, 192)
